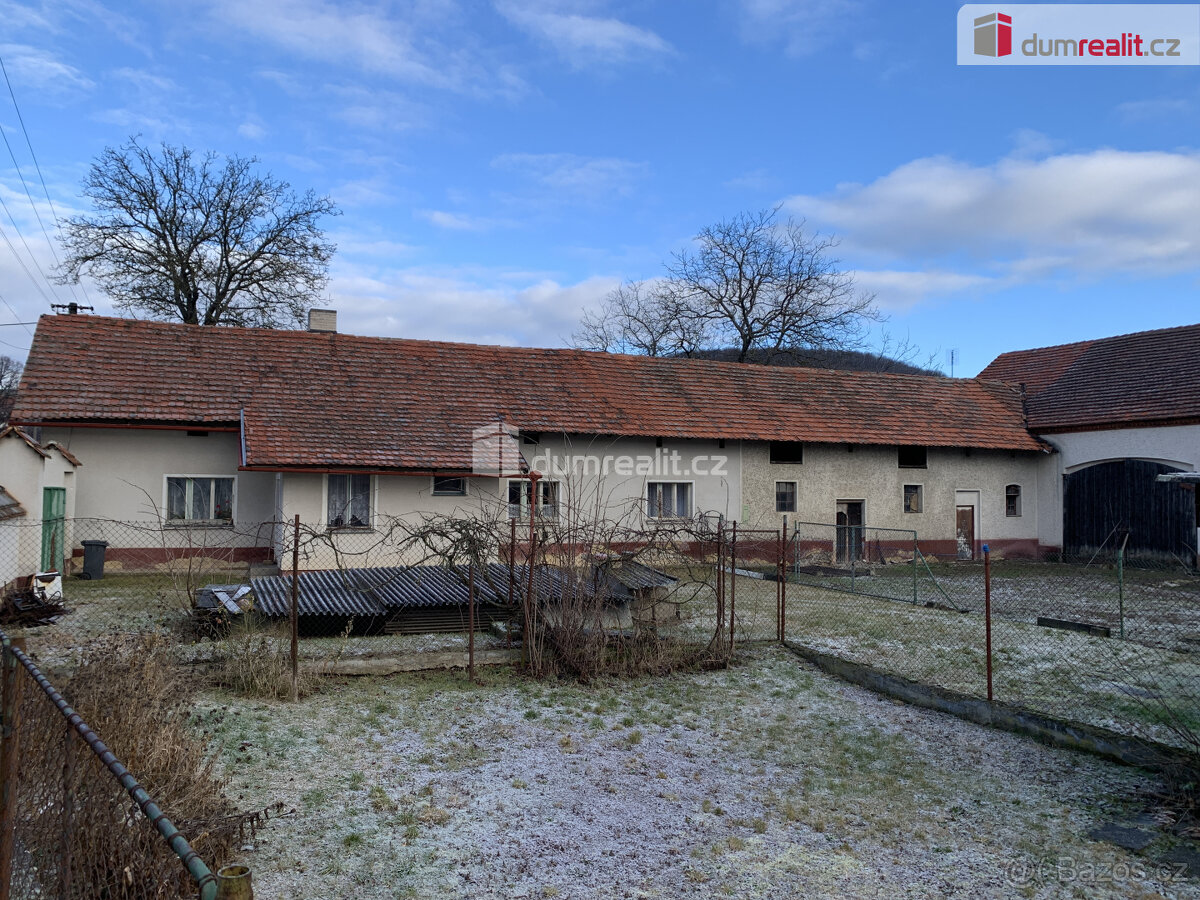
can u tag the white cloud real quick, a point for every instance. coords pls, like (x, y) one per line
(252, 130)
(899, 290)
(41, 70)
(461, 305)
(582, 39)
(1078, 214)
(566, 175)
(372, 38)
(802, 26)
(455, 221)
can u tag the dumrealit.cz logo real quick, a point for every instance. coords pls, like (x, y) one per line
(1079, 34)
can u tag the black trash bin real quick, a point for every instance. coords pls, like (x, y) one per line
(93, 559)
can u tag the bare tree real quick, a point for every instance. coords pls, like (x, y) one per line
(176, 236)
(752, 283)
(10, 377)
(642, 317)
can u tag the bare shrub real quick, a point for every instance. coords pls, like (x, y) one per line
(257, 661)
(136, 698)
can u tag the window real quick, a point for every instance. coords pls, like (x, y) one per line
(787, 452)
(912, 498)
(1012, 500)
(785, 496)
(449, 487)
(669, 500)
(199, 499)
(349, 501)
(519, 493)
(911, 457)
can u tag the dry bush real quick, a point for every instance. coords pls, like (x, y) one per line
(136, 698)
(257, 661)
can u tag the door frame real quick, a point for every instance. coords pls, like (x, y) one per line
(969, 497)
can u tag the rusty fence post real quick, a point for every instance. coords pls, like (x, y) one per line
(233, 883)
(471, 622)
(987, 614)
(512, 577)
(67, 835)
(294, 610)
(10, 709)
(732, 584)
(720, 579)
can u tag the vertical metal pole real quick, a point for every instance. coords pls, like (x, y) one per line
(471, 622)
(294, 610)
(67, 835)
(916, 550)
(783, 565)
(987, 612)
(720, 577)
(779, 582)
(529, 612)
(512, 574)
(1121, 585)
(10, 707)
(732, 584)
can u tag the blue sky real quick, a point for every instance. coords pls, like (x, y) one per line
(502, 165)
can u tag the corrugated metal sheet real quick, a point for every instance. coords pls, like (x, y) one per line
(381, 591)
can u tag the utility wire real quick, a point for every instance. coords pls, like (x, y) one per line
(41, 178)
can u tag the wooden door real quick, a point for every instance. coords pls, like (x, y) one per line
(964, 531)
(54, 509)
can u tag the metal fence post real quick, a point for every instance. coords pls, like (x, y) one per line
(732, 584)
(10, 708)
(294, 610)
(1121, 585)
(471, 622)
(987, 613)
(68, 812)
(916, 553)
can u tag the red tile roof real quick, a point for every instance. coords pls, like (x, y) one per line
(1147, 378)
(336, 400)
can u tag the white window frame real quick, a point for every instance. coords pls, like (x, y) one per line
(920, 499)
(207, 523)
(371, 502)
(520, 511)
(691, 486)
(795, 496)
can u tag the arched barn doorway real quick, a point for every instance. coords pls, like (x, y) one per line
(1103, 502)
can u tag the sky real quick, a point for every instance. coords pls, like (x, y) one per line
(501, 166)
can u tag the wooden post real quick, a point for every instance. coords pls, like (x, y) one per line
(10, 709)
(294, 610)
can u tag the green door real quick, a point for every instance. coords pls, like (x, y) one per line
(54, 530)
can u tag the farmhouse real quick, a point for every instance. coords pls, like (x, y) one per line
(219, 432)
(1120, 411)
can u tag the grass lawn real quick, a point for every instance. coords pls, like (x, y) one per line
(767, 780)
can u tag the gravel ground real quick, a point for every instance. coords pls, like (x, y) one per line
(768, 780)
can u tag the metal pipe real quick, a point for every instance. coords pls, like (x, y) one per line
(233, 883)
(987, 613)
(9, 751)
(471, 621)
(732, 584)
(294, 610)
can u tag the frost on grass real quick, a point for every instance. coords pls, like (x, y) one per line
(766, 780)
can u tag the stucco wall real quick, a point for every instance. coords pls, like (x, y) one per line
(24, 473)
(1177, 446)
(597, 477)
(122, 479)
(833, 472)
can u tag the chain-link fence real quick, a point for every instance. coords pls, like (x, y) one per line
(1100, 639)
(74, 822)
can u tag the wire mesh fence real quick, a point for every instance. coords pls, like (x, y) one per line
(1102, 640)
(74, 822)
